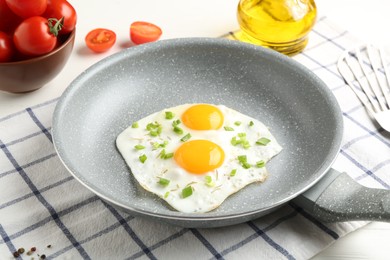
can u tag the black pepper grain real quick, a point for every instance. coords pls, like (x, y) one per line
(43, 256)
(16, 254)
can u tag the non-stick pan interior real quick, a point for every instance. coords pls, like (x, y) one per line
(298, 108)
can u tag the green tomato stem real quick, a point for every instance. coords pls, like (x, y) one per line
(58, 24)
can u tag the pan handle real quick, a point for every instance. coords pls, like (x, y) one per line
(337, 197)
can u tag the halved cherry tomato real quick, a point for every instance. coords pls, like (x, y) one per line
(62, 9)
(33, 37)
(27, 8)
(6, 47)
(143, 32)
(100, 40)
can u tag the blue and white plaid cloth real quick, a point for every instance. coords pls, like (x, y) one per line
(43, 206)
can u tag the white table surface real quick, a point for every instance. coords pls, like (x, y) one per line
(367, 20)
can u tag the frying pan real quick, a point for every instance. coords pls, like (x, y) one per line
(295, 104)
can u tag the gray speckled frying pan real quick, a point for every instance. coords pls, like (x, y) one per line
(297, 106)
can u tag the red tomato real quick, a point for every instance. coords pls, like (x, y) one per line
(27, 8)
(100, 40)
(6, 47)
(62, 8)
(8, 20)
(33, 37)
(143, 32)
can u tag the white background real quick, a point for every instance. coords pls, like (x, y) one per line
(367, 20)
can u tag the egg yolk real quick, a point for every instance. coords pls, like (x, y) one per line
(199, 156)
(203, 117)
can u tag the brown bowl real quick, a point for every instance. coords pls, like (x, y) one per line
(34, 73)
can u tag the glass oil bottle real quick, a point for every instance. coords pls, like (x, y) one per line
(282, 25)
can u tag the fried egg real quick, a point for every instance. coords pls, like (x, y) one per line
(194, 156)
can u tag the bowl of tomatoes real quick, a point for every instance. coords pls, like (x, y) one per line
(36, 41)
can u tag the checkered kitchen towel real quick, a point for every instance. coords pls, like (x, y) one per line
(43, 207)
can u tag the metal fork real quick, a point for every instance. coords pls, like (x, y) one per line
(366, 72)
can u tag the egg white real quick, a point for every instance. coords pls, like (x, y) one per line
(204, 197)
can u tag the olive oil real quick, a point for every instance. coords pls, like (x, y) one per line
(282, 25)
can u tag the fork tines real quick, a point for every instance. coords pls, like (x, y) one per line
(366, 72)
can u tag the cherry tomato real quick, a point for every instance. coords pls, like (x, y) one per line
(62, 8)
(8, 20)
(33, 37)
(100, 40)
(27, 8)
(143, 32)
(6, 47)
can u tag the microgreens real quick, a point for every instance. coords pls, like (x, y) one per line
(240, 139)
(177, 130)
(157, 145)
(163, 181)
(209, 181)
(187, 191)
(143, 158)
(186, 137)
(263, 141)
(228, 128)
(233, 172)
(154, 129)
(243, 161)
(164, 155)
(176, 122)
(139, 147)
(169, 115)
(260, 164)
